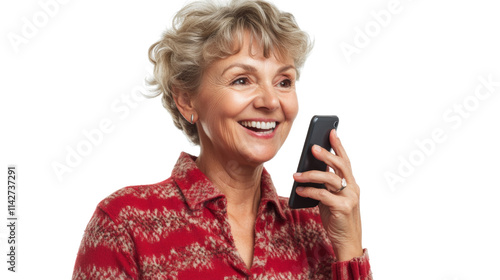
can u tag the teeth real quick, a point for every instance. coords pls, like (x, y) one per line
(259, 125)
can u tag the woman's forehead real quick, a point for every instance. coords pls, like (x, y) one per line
(248, 41)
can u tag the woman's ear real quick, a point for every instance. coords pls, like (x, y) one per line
(184, 104)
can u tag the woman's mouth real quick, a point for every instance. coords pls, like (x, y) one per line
(259, 127)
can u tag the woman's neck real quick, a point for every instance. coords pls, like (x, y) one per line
(239, 183)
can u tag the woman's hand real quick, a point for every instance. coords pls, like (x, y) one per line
(339, 209)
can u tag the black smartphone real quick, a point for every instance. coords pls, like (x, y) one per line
(319, 134)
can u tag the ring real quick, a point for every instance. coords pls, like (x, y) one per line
(344, 185)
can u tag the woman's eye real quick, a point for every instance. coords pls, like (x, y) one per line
(240, 81)
(285, 83)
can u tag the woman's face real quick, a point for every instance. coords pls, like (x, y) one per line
(246, 105)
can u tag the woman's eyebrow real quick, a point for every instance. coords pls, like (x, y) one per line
(286, 67)
(252, 69)
(245, 67)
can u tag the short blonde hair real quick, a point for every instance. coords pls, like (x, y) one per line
(203, 32)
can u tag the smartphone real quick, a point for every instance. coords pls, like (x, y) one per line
(319, 134)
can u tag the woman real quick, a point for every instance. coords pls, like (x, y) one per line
(227, 75)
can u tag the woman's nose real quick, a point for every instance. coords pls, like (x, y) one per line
(267, 98)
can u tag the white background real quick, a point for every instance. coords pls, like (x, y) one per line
(442, 222)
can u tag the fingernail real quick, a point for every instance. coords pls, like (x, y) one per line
(317, 148)
(299, 189)
(335, 132)
(298, 174)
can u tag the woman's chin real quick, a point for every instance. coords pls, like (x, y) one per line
(260, 156)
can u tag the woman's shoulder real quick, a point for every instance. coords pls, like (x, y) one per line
(141, 198)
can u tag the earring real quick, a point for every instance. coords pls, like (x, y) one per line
(191, 118)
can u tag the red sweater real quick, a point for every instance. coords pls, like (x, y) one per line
(179, 229)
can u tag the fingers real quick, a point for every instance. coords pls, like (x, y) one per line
(342, 202)
(339, 162)
(331, 180)
(322, 195)
(337, 146)
(340, 165)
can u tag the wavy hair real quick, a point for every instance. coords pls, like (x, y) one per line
(203, 32)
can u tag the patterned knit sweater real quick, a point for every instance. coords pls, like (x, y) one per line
(179, 229)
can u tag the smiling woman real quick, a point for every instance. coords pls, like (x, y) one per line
(227, 75)
(243, 88)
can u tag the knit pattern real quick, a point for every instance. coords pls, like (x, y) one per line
(179, 229)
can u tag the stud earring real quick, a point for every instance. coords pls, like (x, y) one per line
(191, 118)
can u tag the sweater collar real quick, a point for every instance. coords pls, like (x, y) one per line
(198, 189)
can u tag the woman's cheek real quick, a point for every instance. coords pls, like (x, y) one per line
(291, 107)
